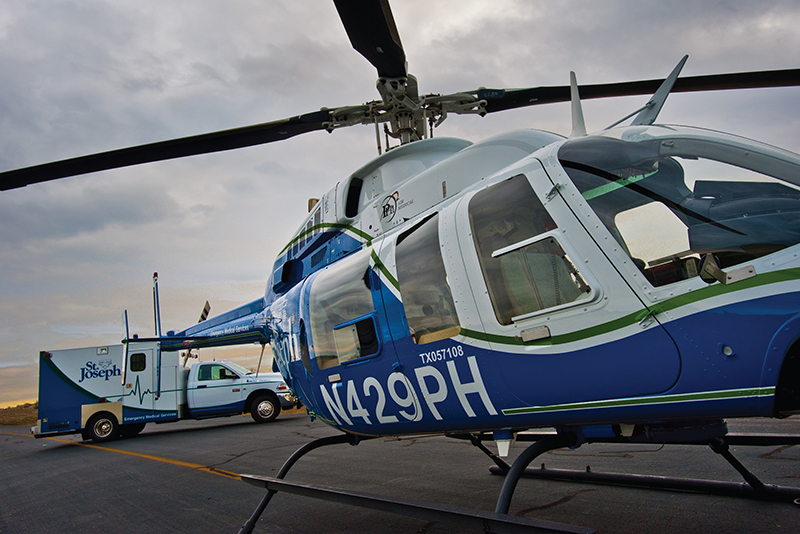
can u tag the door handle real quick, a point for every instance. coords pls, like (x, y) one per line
(198, 387)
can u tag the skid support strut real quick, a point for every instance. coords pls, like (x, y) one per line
(248, 527)
(477, 442)
(752, 488)
(523, 460)
(719, 446)
(468, 519)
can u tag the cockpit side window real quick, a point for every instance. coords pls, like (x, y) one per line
(427, 298)
(668, 206)
(525, 268)
(342, 312)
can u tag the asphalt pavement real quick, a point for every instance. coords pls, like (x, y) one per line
(183, 478)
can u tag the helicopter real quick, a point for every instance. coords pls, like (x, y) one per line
(638, 283)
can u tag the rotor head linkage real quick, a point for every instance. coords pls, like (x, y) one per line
(406, 113)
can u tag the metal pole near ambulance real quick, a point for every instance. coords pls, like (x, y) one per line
(157, 318)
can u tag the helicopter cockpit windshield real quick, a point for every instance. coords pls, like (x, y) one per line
(671, 199)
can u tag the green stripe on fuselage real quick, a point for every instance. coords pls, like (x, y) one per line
(326, 226)
(673, 303)
(646, 401)
(385, 271)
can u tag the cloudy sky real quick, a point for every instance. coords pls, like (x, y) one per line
(94, 75)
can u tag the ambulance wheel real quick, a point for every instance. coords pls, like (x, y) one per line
(102, 427)
(130, 430)
(265, 409)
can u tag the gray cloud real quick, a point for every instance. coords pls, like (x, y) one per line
(50, 215)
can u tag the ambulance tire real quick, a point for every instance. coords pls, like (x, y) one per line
(265, 408)
(132, 429)
(102, 427)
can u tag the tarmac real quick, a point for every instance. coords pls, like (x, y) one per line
(183, 478)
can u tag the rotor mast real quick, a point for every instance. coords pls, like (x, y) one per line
(405, 115)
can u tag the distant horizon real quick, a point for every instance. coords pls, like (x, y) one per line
(13, 404)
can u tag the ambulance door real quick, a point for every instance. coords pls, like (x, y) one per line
(165, 406)
(218, 389)
(140, 384)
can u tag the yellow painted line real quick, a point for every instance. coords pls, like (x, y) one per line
(179, 463)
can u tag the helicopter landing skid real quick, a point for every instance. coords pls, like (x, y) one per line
(751, 488)
(475, 520)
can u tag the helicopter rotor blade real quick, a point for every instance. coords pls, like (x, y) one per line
(500, 100)
(496, 100)
(163, 150)
(373, 33)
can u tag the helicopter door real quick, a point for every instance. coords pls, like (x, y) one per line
(679, 214)
(563, 325)
(420, 302)
(353, 366)
(417, 296)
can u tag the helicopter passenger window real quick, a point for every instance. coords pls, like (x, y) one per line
(668, 204)
(355, 339)
(427, 299)
(340, 302)
(524, 273)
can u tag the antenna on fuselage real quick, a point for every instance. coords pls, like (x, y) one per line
(654, 105)
(647, 114)
(578, 124)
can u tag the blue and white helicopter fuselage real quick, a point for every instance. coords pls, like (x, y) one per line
(643, 275)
